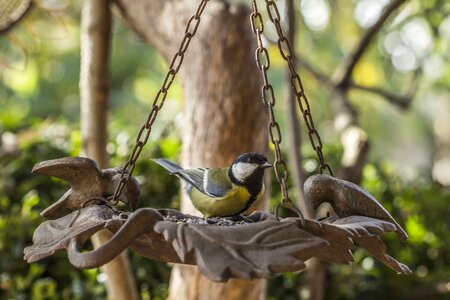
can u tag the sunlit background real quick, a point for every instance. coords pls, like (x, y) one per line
(408, 169)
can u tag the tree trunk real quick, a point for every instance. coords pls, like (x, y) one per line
(223, 115)
(95, 38)
(315, 273)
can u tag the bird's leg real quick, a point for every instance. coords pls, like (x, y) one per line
(240, 217)
(246, 219)
(213, 220)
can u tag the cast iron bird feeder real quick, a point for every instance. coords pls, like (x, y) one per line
(256, 246)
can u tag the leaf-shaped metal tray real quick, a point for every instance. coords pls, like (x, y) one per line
(255, 247)
(221, 250)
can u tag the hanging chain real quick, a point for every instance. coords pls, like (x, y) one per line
(158, 102)
(286, 52)
(268, 98)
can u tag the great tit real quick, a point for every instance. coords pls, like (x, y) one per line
(223, 192)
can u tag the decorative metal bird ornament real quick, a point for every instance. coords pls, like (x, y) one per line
(87, 181)
(347, 199)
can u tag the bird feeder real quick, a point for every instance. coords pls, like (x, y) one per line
(256, 246)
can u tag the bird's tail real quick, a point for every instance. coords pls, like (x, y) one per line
(168, 165)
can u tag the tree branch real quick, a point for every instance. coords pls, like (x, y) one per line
(160, 23)
(344, 72)
(322, 78)
(294, 125)
(94, 81)
(402, 101)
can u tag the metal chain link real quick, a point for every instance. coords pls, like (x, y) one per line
(268, 98)
(158, 102)
(286, 53)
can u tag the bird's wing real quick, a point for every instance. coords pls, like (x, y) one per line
(59, 208)
(172, 167)
(216, 182)
(371, 207)
(212, 182)
(78, 171)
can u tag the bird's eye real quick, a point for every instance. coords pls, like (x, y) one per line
(318, 191)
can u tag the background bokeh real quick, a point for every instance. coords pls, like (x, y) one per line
(408, 169)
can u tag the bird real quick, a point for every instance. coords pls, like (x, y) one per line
(224, 192)
(347, 199)
(87, 181)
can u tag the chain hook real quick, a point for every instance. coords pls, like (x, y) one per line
(268, 98)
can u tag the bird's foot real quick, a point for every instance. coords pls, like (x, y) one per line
(246, 219)
(240, 217)
(228, 221)
(213, 220)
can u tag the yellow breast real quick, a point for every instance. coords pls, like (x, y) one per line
(231, 204)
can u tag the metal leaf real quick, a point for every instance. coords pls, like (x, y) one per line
(247, 251)
(53, 235)
(340, 244)
(365, 231)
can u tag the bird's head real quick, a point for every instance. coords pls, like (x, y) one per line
(317, 189)
(248, 167)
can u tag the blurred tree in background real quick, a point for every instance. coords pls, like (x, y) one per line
(408, 167)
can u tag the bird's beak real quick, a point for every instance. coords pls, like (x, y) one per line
(266, 165)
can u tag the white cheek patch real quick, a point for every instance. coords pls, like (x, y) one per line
(243, 170)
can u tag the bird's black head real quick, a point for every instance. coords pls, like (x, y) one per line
(248, 170)
(252, 158)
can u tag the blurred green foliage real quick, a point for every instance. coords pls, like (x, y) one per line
(39, 118)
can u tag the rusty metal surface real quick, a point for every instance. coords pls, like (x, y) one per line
(245, 250)
(88, 183)
(347, 199)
